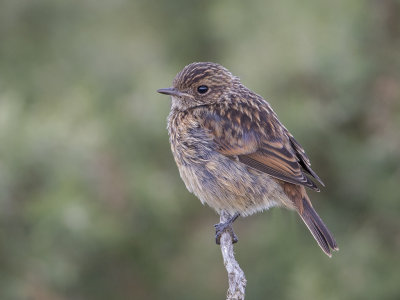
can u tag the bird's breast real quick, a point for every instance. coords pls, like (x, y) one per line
(218, 180)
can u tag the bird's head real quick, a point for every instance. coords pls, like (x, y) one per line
(200, 83)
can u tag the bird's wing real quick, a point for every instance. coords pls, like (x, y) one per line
(254, 135)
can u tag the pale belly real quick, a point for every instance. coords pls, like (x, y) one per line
(225, 184)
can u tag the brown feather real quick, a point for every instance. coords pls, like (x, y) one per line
(260, 142)
(310, 217)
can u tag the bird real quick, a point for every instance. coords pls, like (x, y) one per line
(234, 154)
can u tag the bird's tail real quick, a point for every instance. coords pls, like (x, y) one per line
(317, 227)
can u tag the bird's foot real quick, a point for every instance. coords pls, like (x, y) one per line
(220, 228)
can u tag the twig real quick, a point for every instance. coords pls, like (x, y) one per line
(236, 278)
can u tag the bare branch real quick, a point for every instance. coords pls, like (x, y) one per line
(236, 278)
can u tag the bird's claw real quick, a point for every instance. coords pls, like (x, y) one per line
(220, 228)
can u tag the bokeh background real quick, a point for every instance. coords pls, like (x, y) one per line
(91, 203)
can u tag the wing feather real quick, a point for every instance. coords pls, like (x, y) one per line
(261, 142)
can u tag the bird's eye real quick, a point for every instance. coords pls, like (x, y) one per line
(202, 89)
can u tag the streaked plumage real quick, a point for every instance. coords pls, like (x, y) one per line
(233, 153)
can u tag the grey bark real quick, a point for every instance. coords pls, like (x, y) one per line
(237, 280)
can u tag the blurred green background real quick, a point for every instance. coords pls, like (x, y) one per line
(91, 203)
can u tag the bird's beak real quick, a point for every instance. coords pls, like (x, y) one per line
(171, 91)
